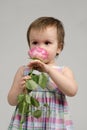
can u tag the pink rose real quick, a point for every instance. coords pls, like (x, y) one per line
(38, 53)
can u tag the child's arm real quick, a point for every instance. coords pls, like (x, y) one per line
(17, 87)
(64, 80)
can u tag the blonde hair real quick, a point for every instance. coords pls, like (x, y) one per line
(43, 23)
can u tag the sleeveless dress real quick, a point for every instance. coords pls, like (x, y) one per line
(59, 118)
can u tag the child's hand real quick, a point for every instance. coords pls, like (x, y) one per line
(22, 82)
(18, 86)
(38, 65)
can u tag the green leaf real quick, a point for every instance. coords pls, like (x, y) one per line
(28, 98)
(43, 80)
(23, 107)
(46, 105)
(20, 107)
(23, 112)
(20, 98)
(31, 85)
(37, 113)
(48, 109)
(34, 102)
(35, 78)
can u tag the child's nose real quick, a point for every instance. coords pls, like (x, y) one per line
(41, 45)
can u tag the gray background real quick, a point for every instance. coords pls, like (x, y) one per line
(15, 16)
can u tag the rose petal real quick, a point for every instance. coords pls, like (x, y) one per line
(38, 53)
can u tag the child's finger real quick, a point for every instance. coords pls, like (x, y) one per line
(26, 78)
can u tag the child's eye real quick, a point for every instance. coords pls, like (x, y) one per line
(35, 43)
(47, 42)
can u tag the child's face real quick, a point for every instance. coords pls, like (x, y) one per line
(46, 39)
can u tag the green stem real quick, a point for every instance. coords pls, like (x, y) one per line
(20, 126)
(31, 72)
(22, 116)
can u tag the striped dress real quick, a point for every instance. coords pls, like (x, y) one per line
(59, 118)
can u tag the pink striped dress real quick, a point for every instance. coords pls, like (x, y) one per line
(59, 118)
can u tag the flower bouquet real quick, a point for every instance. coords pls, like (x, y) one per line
(26, 101)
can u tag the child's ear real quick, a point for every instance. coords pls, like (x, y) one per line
(59, 49)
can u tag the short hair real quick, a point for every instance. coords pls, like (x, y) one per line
(43, 23)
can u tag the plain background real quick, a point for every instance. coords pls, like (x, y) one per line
(15, 17)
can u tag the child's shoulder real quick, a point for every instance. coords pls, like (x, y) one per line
(64, 69)
(59, 67)
(67, 71)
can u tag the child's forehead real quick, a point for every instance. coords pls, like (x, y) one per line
(48, 33)
(42, 29)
